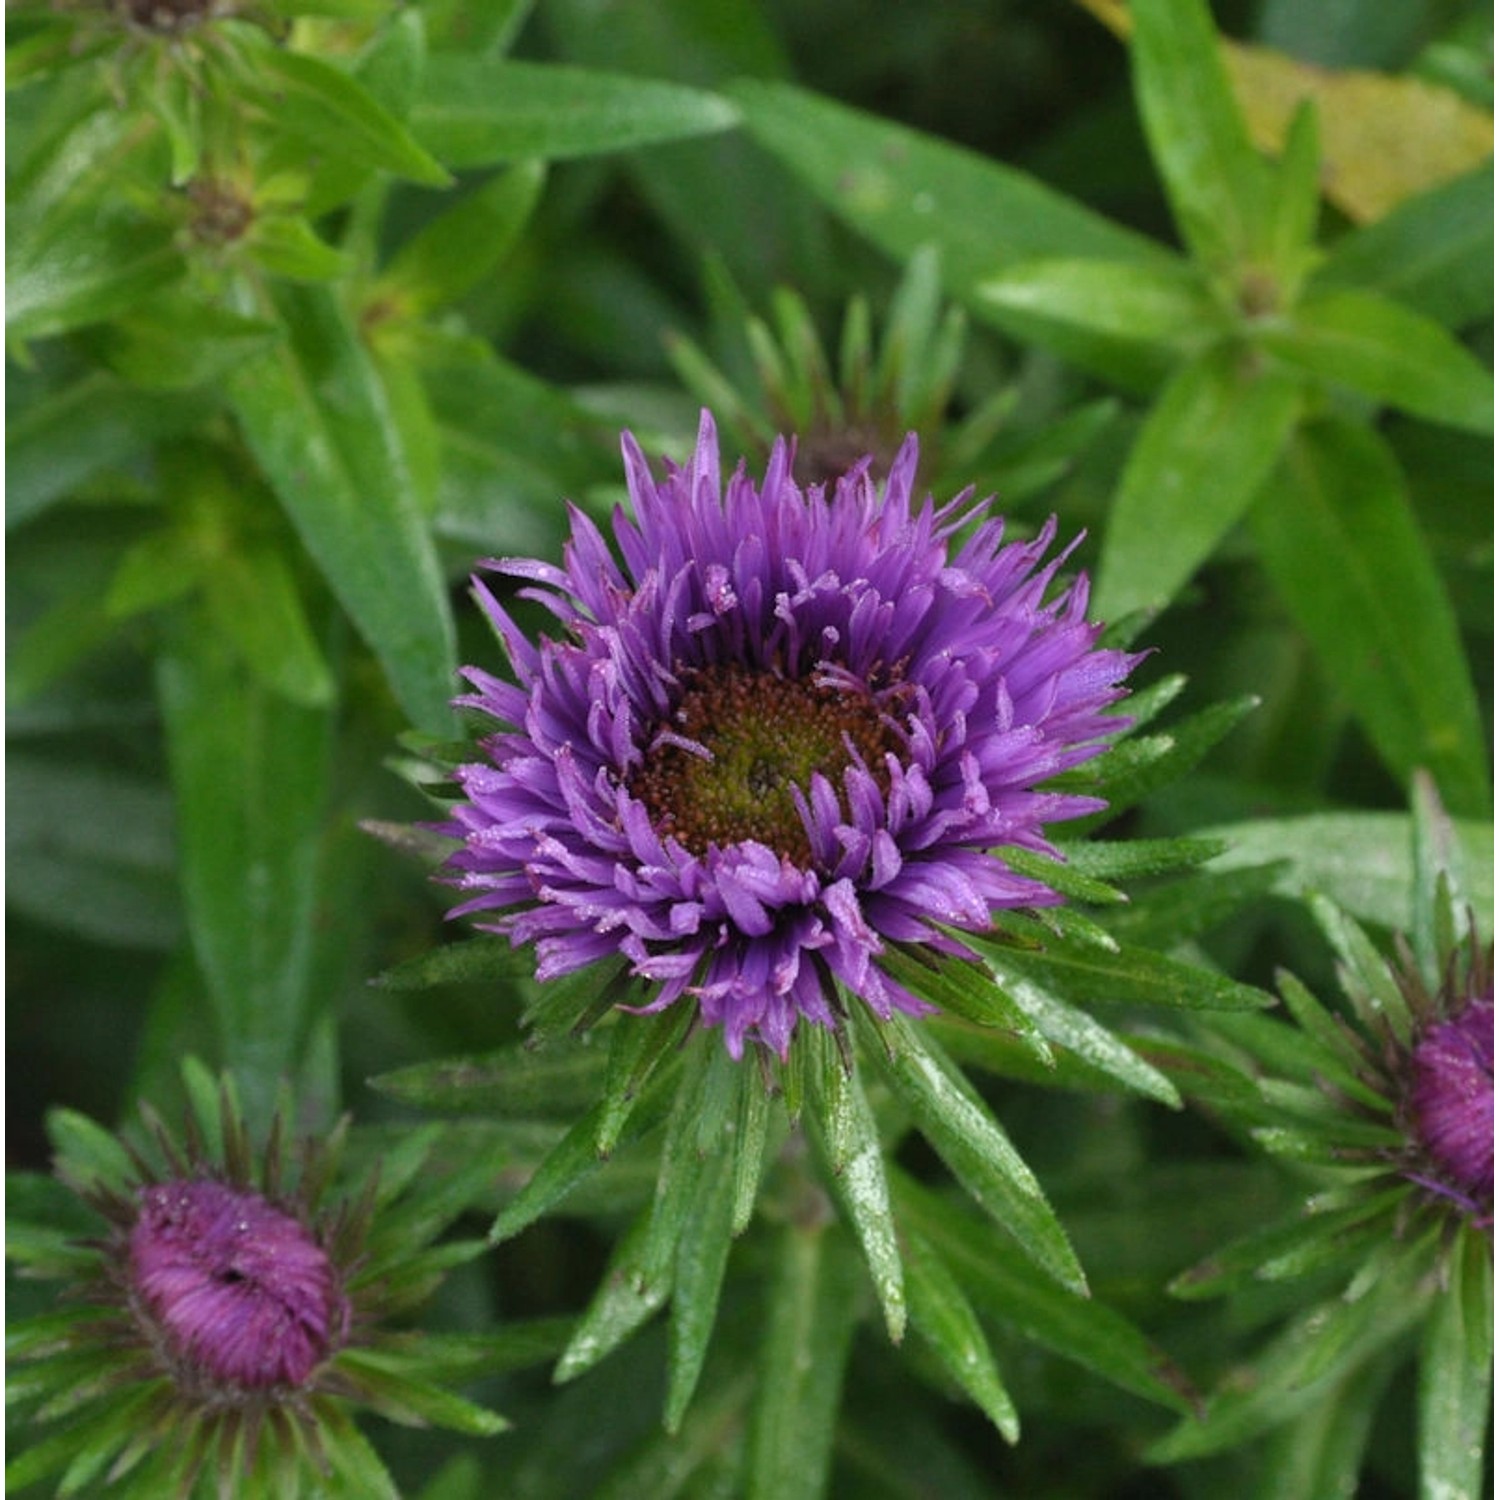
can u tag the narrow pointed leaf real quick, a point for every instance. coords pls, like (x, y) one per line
(250, 770)
(702, 1253)
(475, 111)
(1204, 450)
(1457, 1364)
(514, 1082)
(1130, 976)
(1434, 253)
(855, 1175)
(1169, 305)
(1080, 1034)
(814, 1298)
(967, 1136)
(941, 1313)
(1338, 537)
(903, 189)
(1003, 1284)
(1389, 353)
(316, 416)
(335, 111)
(1216, 183)
(625, 1299)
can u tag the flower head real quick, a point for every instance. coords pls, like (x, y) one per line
(1449, 1104)
(227, 1319)
(787, 729)
(238, 1292)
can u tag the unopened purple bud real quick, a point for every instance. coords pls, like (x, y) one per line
(240, 1290)
(1452, 1097)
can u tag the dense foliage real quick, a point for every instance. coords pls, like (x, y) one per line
(1155, 1160)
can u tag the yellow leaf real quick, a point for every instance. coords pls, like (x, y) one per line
(1383, 138)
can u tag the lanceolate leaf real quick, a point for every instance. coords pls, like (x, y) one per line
(1388, 353)
(814, 1296)
(1362, 861)
(1434, 253)
(943, 1316)
(43, 457)
(250, 770)
(1206, 446)
(1339, 540)
(856, 1177)
(475, 111)
(1457, 1367)
(904, 190)
(1217, 184)
(316, 416)
(969, 1139)
(1169, 304)
(1004, 1285)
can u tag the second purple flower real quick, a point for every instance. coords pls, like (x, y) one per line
(782, 731)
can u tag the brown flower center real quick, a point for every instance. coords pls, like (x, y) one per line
(764, 736)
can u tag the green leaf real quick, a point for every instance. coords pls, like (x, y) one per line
(1362, 860)
(1216, 183)
(315, 415)
(1167, 304)
(384, 1380)
(844, 1128)
(626, 1298)
(171, 343)
(514, 1083)
(462, 246)
(1319, 1348)
(290, 247)
(702, 1253)
(1435, 253)
(90, 1154)
(44, 459)
(82, 265)
(1321, 1451)
(1131, 976)
(965, 989)
(1130, 771)
(1296, 202)
(1286, 1250)
(89, 851)
(961, 1129)
(476, 111)
(1337, 536)
(1386, 352)
(1003, 1284)
(1457, 1362)
(249, 770)
(477, 960)
(639, 1045)
(903, 190)
(1125, 859)
(814, 1300)
(1080, 1034)
(255, 604)
(941, 1313)
(314, 100)
(1204, 450)
(749, 1151)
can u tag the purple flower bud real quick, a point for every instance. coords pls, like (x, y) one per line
(1451, 1100)
(239, 1291)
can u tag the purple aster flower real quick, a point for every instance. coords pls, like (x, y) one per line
(785, 730)
(1451, 1103)
(230, 1317)
(238, 1291)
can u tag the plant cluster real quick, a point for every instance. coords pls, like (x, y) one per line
(805, 804)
